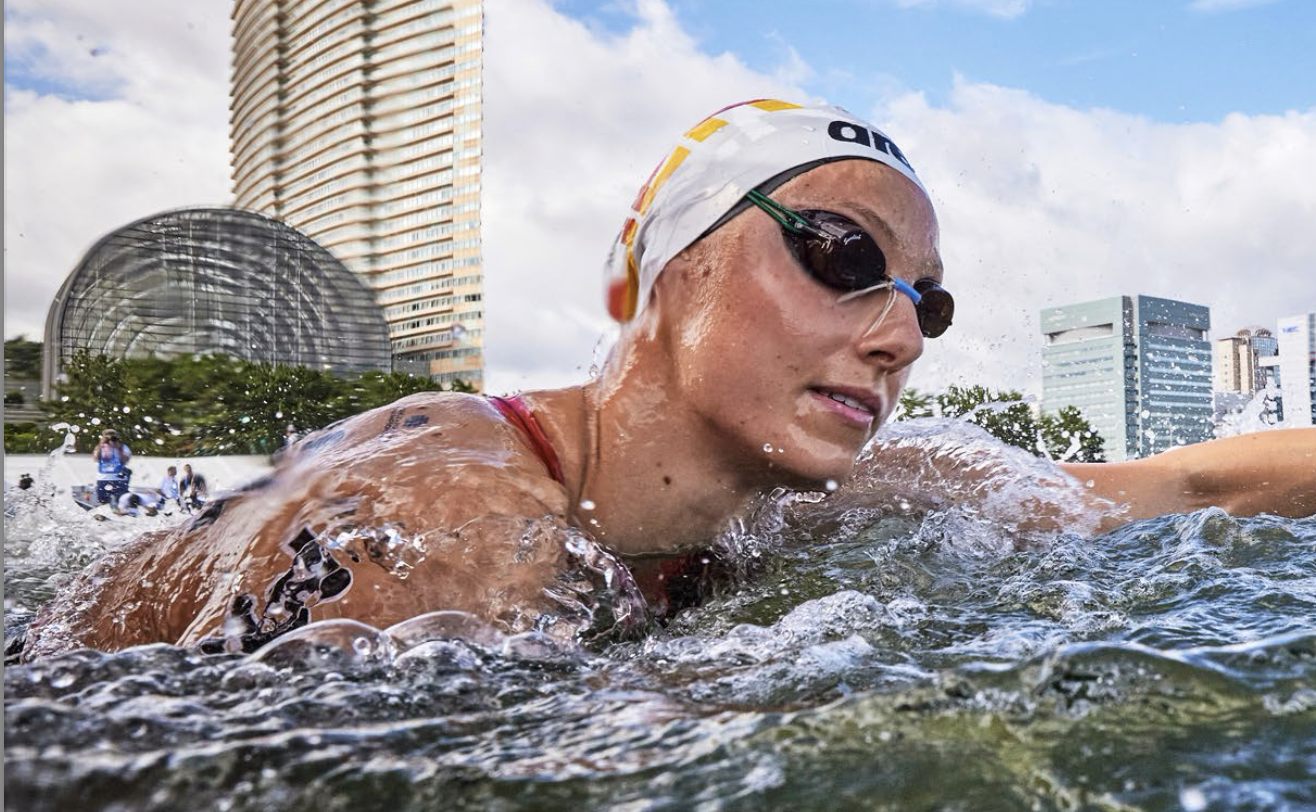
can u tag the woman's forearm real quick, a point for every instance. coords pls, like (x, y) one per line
(1266, 472)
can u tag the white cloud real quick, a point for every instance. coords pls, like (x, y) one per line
(153, 136)
(1043, 205)
(575, 120)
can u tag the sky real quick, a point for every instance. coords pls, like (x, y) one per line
(1074, 149)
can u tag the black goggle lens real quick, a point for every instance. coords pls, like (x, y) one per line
(935, 309)
(840, 254)
(846, 259)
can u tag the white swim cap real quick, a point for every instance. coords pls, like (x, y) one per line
(716, 164)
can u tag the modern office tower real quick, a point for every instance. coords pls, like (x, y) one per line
(1297, 368)
(358, 122)
(1238, 366)
(1137, 367)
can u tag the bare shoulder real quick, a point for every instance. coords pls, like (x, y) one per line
(430, 443)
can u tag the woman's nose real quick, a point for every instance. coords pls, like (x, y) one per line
(893, 338)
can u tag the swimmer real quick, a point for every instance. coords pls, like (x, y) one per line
(776, 281)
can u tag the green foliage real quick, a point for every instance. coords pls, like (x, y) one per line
(1064, 436)
(29, 438)
(14, 398)
(23, 358)
(1004, 415)
(1066, 430)
(377, 388)
(209, 404)
(914, 403)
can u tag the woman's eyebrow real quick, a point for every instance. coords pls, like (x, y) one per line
(932, 269)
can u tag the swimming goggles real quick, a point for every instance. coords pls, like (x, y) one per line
(839, 253)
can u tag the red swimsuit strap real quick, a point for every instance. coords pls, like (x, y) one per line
(519, 415)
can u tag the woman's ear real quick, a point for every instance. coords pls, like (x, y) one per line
(618, 294)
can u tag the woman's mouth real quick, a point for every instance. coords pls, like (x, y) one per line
(856, 408)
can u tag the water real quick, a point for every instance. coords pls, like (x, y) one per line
(882, 659)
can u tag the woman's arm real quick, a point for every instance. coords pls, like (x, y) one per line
(1266, 472)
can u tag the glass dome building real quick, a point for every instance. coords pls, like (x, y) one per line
(215, 280)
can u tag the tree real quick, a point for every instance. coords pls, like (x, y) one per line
(29, 438)
(374, 389)
(208, 404)
(1004, 415)
(913, 404)
(255, 403)
(94, 395)
(23, 358)
(1071, 438)
(1065, 436)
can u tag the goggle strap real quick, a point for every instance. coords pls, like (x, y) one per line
(899, 284)
(784, 216)
(886, 311)
(855, 294)
(907, 289)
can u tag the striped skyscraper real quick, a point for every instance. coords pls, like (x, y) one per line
(358, 122)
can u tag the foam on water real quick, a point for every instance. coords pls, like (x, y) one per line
(916, 654)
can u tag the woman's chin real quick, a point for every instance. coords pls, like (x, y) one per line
(810, 474)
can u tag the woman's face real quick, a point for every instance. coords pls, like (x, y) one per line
(758, 351)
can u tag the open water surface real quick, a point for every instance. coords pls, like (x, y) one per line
(894, 661)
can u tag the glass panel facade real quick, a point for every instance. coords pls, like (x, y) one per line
(365, 136)
(1138, 368)
(216, 280)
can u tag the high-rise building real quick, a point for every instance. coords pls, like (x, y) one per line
(1238, 366)
(1137, 367)
(1297, 368)
(358, 122)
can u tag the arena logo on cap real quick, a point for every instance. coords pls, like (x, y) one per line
(855, 134)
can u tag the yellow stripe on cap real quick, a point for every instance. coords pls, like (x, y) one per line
(678, 155)
(706, 128)
(632, 301)
(772, 105)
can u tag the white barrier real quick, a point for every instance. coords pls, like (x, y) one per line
(66, 470)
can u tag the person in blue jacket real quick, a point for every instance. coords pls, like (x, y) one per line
(112, 472)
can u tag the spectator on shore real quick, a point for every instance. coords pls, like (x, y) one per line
(135, 504)
(169, 487)
(112, 472)
(192, 488)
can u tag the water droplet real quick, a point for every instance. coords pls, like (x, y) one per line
(1192, 799)
(831, 485)
(767, 447)
(587, 504)
(95, 421)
